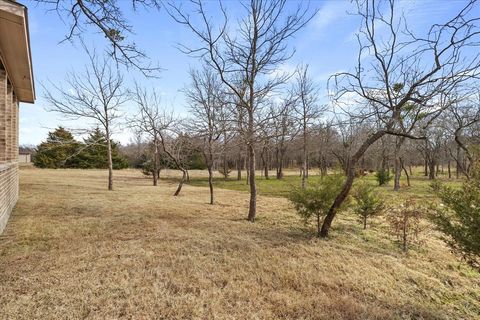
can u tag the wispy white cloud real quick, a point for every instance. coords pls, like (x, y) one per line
(330, 13)
(284, 69)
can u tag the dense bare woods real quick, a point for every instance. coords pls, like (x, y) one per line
(245, 61)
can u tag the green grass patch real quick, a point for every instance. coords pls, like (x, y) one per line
(420, 185)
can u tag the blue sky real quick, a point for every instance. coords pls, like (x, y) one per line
(327, 44)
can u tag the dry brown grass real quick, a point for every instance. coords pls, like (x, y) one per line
(74, 250)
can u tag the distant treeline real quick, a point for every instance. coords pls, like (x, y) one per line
(62, 150)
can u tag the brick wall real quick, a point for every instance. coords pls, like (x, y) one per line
(8, 191)
(8, 149)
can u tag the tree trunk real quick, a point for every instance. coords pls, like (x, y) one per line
(449, 170)
(252, 211)
(180, 185)
(280, 164)
(239, 166)
(155, 176)
(210, 183)
(305, 159)
(247, 166)
(225, 170)
(208, 156)
(457, 168)
(431, 166)
(323, 165)
(340, 198)
(264, 157)
(155, 172)
(426, 166)
(405, 170)
(364, 222)
(398, 164)
(110, 162)
(398, 173)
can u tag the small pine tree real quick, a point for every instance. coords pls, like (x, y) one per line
(458, 217)
(316, 199)
(367, 202)
(383, 177)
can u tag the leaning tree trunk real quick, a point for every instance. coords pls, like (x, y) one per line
(340, 198)
(405, 170)
(180, 184)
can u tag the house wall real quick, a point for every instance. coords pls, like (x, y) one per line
(8, 149)
(24, 158)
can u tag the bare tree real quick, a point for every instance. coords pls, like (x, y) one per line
(399, 74)
(162, 127)
(206, 106)
(307, 109)
(97, 95)
(245, 59)
(466, 113)
(147, 122)
(284, 132)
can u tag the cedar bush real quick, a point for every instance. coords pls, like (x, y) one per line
(367, 202)
(315, 200)
(383, 177)
(458, 217)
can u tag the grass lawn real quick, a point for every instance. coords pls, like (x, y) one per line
(420, 185)
(73, 250)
